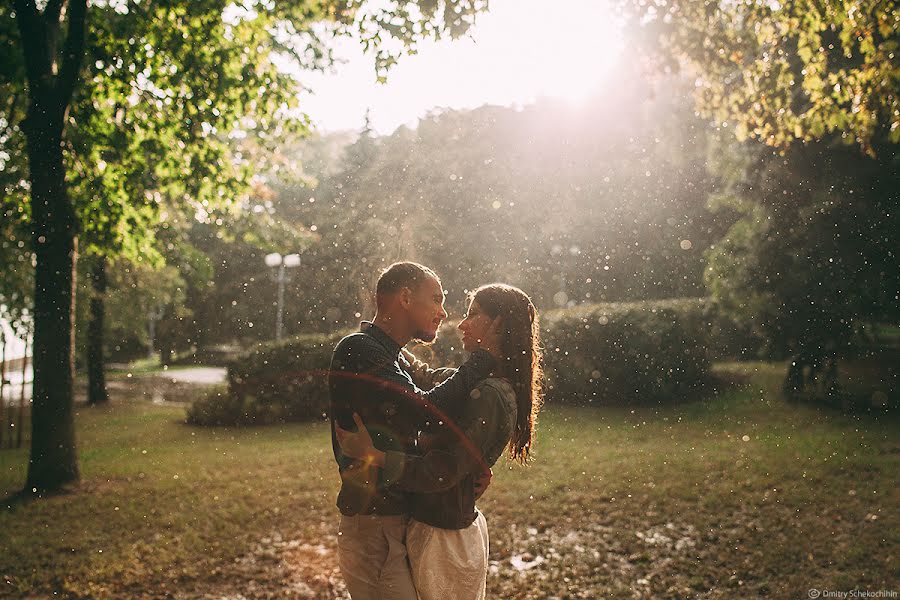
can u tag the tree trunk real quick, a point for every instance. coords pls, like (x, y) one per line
(96, 363)
(52, 79)
(793, 383)
(2, 386)
(54, 460)
(21, 416)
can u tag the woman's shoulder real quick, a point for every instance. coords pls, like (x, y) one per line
(501, 384)
(498, 388)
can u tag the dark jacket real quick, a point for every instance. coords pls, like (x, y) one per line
(453, 452)
(369, 376)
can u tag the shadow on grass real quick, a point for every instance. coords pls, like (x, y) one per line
(26, 496)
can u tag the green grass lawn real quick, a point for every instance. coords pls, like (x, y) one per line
(737, 494)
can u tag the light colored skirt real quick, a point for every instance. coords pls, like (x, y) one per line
(449, 563)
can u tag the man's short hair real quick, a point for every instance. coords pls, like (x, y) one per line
(400, 275)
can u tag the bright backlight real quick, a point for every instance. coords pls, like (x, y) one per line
(519, 51)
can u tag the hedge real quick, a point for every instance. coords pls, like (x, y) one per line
(276, 382)
(620, 353)
(627, 353)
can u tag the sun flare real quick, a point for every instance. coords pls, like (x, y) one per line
(569, 53)
(517, 52)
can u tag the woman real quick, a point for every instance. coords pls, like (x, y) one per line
(447, 539)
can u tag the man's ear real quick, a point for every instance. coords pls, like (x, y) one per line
(405, 297)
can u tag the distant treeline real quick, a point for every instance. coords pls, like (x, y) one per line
(574, 205)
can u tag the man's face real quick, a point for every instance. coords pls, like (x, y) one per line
(426, 310)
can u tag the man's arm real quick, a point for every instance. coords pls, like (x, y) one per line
(458, 451)
(375, 363)
(364, 376)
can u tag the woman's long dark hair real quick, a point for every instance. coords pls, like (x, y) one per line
(521, 365)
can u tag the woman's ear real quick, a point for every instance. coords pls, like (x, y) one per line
(497, 324)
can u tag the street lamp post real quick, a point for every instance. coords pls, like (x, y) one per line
(154, 315)
(281, 264)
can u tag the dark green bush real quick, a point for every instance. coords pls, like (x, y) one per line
(618, 353)
(627, 353)
(731, 340)
(274, 383)
(224, 408)
(622, 353)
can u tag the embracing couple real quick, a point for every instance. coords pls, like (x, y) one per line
(415, 445)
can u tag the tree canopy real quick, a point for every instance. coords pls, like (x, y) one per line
(599, 204)
(780, 72)
(811, 263)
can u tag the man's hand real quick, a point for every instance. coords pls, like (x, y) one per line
(359, 444)
(482, 483)
(490, 341)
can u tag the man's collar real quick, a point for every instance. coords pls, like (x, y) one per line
(380, 335)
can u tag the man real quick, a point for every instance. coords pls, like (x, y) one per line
(372, 377)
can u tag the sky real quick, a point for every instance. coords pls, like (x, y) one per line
(517, 52)
(14, 346)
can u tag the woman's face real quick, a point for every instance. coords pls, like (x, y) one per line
(473, 327)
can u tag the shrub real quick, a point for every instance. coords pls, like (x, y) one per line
(625, 353)
(619, 353)
(732, 340)
(276, 382)
(224, 408)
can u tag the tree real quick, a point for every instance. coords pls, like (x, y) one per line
(811, 260)
(228, 81)
(574, 206)
(97, 393)
(50, 90)
(142, 289)
(783, 72)
(811, 264)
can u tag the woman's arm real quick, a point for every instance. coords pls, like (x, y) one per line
(457, 452)
(423, 375)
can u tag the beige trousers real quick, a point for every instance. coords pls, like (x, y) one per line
(372, 557)
(449, 563)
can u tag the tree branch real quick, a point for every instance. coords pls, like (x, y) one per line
(51, 23)
(33, 35)
(52, 11)
(73, 54)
